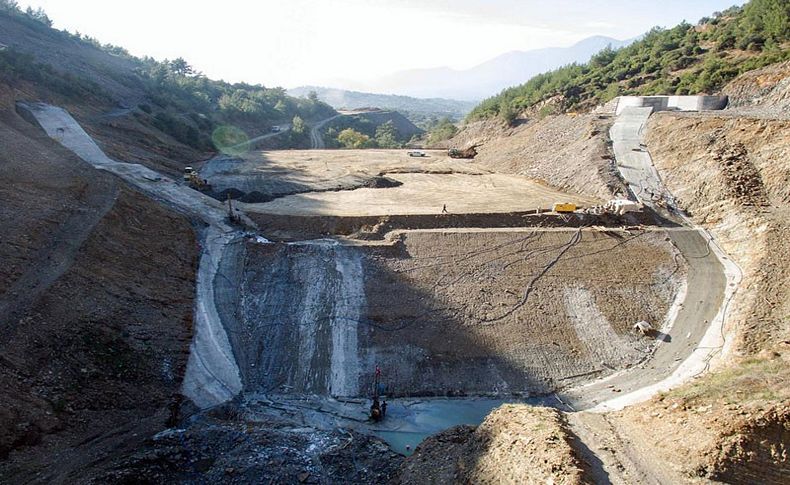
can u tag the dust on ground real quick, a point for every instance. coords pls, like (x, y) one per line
(266, 175)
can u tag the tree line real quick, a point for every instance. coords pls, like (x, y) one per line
(686, 59)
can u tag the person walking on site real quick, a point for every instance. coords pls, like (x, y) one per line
(444, 209)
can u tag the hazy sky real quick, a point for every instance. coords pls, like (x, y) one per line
(296, 42)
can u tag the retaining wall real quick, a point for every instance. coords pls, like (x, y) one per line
(673, 103)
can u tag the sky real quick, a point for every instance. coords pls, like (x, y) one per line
(322, 42)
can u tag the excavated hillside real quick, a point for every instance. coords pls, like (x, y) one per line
(763, 91)
(96, 309)
(569, 152)
(731, 172)
(451, 313)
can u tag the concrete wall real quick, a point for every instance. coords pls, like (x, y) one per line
(673, 103)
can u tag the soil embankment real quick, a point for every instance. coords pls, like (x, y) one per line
(514, 444)
(451, 313)
(569, 152)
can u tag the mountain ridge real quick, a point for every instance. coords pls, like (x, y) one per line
(487, 78)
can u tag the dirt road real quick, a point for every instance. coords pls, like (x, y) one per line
(316, 140)
(212, 375)
(249, 143)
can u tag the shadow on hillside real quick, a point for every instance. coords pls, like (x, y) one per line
(292, 297)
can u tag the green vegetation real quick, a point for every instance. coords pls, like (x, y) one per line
(753, 379)
(351, 138)
(387, 136)
(175, 86)
(444, 129)
(37, 15)
(181, 102)
(421, 112)
(686, 59)
(380, 133)
(16, 66)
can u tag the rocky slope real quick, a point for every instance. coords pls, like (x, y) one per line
(569, 152)
(765, 91)
(96, 309)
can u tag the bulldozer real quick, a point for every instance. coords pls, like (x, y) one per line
(467, 153)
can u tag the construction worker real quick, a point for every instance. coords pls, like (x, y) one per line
(383, 409)
(444, 209)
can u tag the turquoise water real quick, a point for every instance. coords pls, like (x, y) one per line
(408, 423)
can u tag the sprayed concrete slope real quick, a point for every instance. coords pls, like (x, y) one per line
(696, 334)
(212, 376)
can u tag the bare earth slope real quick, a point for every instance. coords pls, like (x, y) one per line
(515, 444)
(763, 91)
(95, 309)
(569, 152)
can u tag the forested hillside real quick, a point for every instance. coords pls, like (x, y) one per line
(421, 111)
(686, 59)
(168, 95)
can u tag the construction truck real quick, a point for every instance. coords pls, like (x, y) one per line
(467, 153)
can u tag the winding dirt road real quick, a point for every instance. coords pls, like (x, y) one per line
(316, 140)
(694, 336)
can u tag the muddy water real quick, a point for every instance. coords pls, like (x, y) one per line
(408, 423)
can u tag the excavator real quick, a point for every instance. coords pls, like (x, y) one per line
(193, 179)
(468, 153)
(378, 409)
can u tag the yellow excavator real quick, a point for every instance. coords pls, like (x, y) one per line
(193, 179)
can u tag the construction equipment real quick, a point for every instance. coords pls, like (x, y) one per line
(621, 206)
(644, 328)
(193, 179)
(615, 206)
(467, 153)
(377, 409)
(564, 207)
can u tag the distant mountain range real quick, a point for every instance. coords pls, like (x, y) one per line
(489, 78)
(340, 98)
